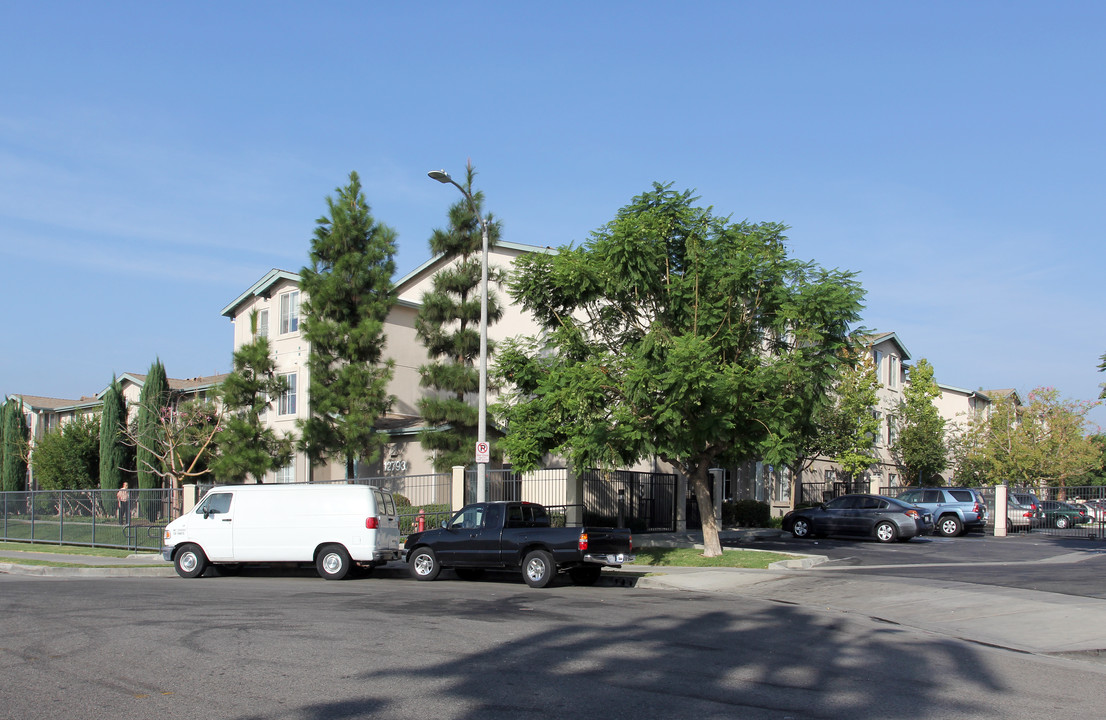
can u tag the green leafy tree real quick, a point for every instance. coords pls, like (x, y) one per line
(448, 323)
(116, 456)
(1041, 443)
(676, 334)
(13, 470)
(349, 292)
(246, 446)
(152, 402)
(920, 448)
(849, 425)
(68, 458)
(1096, 475)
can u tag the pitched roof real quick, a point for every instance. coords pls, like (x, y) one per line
(879, 337)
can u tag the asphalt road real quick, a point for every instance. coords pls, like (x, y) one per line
(298, 647)
(1033, 561)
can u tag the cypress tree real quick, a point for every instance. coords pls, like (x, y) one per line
(448, 323)
(13, 471)
(113, 450)
(151, 401)
(349, 292)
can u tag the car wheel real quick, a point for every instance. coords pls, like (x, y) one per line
(886, 532)
(538, 569)
(950, 526)
(801, 528)
(424, 564)
(470, 573)
(588, 575)
(190, 561)
(332, 562)
(1061, 522)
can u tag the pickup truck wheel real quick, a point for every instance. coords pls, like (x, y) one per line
(585, 575)
(538, 569)
(950, 526)
(424, 564)
(190, 561)
(333, 562)
(469, 573)
(886, 532)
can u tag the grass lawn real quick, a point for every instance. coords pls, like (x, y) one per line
(693, 557)
(68, 549)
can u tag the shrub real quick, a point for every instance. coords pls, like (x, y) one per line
(746, 513)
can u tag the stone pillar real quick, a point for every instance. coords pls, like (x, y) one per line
(574, 498)
(1001, 494)
(457, 494)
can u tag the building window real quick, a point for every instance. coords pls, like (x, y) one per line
(877, 360)
(287, 474)
(892, 431)
(287, 404)
(263, 323)
(290, 312)
(892, 371)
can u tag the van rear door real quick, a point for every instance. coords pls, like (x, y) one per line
(387, 521)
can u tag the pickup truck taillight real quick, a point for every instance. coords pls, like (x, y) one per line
(370, 523)
(583, 544)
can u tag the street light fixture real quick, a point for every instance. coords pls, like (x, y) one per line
(482, 403)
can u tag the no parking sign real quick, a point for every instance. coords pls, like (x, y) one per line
(483, 452)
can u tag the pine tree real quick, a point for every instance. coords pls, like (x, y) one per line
(246, 446)
(920, 448)
(115, 455)
(349, 292)
(13, 470)
(448, 323)
(152, 401)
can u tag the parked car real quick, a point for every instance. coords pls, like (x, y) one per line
(955, 510)
(1096, 509)
(884, 518)
(1061, 514)
(516, 536)
(1019, 517)
(1029, 500)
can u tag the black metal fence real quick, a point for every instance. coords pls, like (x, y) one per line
(641, 501)
(96, 518)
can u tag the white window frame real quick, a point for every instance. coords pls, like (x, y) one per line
(286, 405)
(263, 323)
(286, 474)
(289, 312)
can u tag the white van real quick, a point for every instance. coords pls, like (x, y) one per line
(332, 526)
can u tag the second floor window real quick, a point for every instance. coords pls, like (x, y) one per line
(263, 323)
(287, 404)
(290, 312)
(892, 371)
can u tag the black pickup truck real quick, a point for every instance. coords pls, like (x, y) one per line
(516, 535)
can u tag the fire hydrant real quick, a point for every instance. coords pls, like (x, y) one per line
(422, 520)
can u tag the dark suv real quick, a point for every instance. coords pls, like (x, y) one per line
(954, 510)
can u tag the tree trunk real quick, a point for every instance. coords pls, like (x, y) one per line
(700, 480)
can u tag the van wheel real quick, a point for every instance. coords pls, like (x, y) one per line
(538, 569)
(190, 561)
(332, 562)
(424, 564)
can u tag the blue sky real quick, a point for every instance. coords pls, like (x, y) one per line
(156, 159)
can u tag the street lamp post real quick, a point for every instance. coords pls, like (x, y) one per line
(482, 402)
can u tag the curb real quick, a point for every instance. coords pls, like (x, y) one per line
(51, 571)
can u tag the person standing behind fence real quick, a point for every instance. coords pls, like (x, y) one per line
(124, 498)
